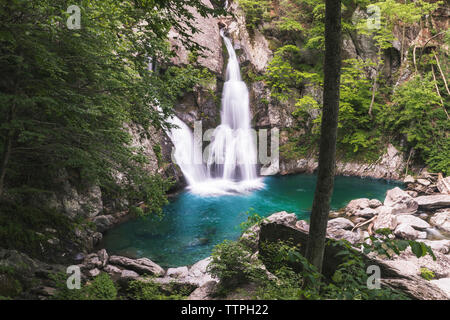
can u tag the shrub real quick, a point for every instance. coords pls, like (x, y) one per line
(100, 288)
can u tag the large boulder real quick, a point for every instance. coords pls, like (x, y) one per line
(405, 231)
(443, 184)
(413, 221)
(433, 201)
(341, 234)
(141, 266)
(180, 272)
(361, 208)
(356, 205)
(385, 219)
(204, 292)
(340, 223)
(400, 201)
(441, 220)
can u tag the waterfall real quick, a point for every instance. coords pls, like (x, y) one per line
(185, 152)
(232, 159)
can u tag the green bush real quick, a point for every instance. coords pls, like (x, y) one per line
(293, 276)
(149, 290)
(233, 264)
(100, 288)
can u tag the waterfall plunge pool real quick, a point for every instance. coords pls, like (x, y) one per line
(192, 225)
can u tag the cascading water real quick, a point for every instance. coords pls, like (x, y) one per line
(185, 151)
(231, 164)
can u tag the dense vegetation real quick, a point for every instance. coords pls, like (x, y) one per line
(377, 107)
(279, 271)
(68, 95)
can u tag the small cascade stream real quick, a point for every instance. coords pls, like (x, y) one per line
(231, 164)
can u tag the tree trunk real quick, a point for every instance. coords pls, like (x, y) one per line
(327, 156)
(8, 141)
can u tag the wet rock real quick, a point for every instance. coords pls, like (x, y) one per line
(400, 201)
(96, 238)
(333, 215)
(79, 257)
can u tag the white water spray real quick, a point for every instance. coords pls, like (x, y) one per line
(231, 164)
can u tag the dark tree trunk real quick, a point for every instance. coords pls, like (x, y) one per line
(5, 159)
(327, 156)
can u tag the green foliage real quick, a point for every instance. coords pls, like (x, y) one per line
(232, 262)
(364, 126)
(100, 288)
(385, 245)
(284, 73)
(427, 274)
(149, 290)
(253, 218)
(293, 278)
(66, 95)
(349, 281)
(24, 227)
(255, 12)
(416, 113)
(10, 286)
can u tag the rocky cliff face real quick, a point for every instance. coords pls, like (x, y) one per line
(254, 55)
